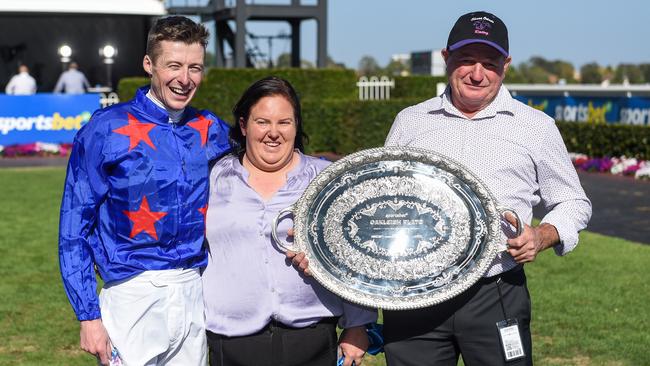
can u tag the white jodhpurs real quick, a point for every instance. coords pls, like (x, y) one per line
(156, 318)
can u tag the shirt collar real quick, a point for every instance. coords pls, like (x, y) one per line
(174, 116)
(158, 114)
(299, 168)
(501, 104)
(296, 171)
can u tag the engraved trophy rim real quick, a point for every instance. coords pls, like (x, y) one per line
(490, 240)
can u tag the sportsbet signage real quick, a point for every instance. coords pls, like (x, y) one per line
(624, 110)
(54, 118)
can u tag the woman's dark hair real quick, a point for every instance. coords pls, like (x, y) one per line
(267, 87)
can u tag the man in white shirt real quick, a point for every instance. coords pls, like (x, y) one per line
(72, 81)
(519, 154)
(21, 83)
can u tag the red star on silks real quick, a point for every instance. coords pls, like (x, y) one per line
(202, 126)
(137, 131)
(144, 220)
(204, 211)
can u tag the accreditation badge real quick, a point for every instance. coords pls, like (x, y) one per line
(510, 337)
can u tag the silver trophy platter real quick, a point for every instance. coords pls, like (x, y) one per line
(396, 228)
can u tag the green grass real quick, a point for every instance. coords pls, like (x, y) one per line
(589, 308)
(37, 325)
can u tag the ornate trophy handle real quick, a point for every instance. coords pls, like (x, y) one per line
(283, 245)
(520, 226)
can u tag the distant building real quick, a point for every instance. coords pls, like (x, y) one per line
(404, 59)
(401, 57)
(33, 31)
(427, 63)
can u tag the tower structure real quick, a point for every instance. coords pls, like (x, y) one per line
(294, 13)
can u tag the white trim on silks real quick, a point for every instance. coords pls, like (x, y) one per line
(156, 318)
(131, 7)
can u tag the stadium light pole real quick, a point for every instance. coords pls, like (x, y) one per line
(65, 52)
(108, 52)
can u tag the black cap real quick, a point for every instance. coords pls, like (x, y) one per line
(479, 27)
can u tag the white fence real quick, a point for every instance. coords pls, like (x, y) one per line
(375, 88)
(106, 99)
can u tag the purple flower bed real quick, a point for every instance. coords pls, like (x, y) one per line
(35, 149)
(639, 169)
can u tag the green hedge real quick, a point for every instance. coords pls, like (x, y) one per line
(337, 122)
(416, 86)
(223, 87)
(127, 87)
(599, 140)
(344, 127)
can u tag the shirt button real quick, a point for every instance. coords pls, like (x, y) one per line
(272, 290)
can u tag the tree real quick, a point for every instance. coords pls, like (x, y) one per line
(591, 73)
(563, 70)
(210, 59)
(398, 68)
(645, 70)
(631, 73)
(607, 73)
(541, 63)
(540, 70)
(331, 64)
(514, 76)
(284, 61)
(306, 64)
(368, 66)
(534, 74)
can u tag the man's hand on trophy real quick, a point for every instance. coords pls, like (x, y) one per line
(298, 259)
(525, 247)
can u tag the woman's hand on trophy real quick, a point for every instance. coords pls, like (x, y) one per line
(298, 259)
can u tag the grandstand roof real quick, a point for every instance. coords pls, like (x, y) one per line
(130, 7)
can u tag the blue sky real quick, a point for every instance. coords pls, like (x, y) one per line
(578, 31)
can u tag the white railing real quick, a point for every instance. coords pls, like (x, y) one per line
(106, 99)
(375, 88)
(591, 90)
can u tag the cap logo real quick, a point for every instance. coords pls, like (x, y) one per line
(482, 25)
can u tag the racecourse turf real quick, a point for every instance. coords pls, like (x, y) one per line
(589, 308)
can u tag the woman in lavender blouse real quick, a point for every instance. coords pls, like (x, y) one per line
(259, 309)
